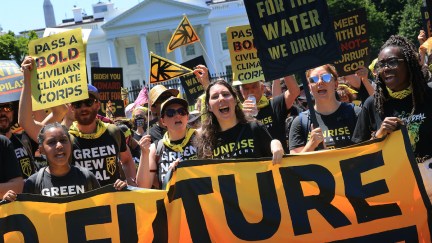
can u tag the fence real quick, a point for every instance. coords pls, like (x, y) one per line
(173, 84)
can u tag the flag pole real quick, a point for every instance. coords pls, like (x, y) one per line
(211, 61)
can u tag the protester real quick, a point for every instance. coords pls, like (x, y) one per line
(345, 93)
(157, 95)
(59, 178)
(336, 119)
(25, 147)
(360, 83)
(175, 146)
(139, 121)
(10, 173)
(97, 146)
(274, 112)
(402, 97)
(194, 120)
(227, 134)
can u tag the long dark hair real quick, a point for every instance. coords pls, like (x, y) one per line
(417, 79)
(41, 135)
(207, 139)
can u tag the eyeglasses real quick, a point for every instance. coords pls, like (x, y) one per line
(87, 102)
(6, 108)
(325, 77)
(172, 112)
(390, 63)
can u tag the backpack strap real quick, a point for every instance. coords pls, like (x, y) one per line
(305, 122)
(38, 182)
(114, 132)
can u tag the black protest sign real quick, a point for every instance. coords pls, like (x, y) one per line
(11, 81)
(292, 36)
(192, 87)
(109, 81)
(425, 13)
(351, 32)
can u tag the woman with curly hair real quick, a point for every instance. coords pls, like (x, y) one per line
(227, 134)
(402, 97)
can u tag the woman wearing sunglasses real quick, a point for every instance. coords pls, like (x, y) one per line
(176, 145)
(402, 97)
(336, 119)
(227, 134)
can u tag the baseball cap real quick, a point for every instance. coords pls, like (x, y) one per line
(173, 100)
(92, 90)
(160, 91)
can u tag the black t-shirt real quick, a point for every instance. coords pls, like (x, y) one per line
(244, 140)
(337, 128)
(100, 156)
(273, 117)
(419, 125)
(167, 156)
(9, 166)
(24, 154)
(156, 132)
(74, 182)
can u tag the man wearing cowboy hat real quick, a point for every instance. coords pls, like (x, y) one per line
(157, 95)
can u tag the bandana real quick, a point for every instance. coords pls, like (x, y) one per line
(178, 147)
(400, 94)
(263, 102)
(101, 127)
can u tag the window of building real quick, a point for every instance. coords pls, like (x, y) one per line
(160, 49)
(94, 59)
(135, 83)
(190, 50)
(130, 56)
(224, 41)
(228, 69)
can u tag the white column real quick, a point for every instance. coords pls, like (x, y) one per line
(112, 53)
(146, 56)
(178, 55)
(209, 50)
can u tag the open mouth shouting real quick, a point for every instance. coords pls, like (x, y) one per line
(224, 110)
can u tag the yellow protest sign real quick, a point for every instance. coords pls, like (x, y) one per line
(183, 35)
(245, 63)
(162, 69)
(61, 69)
(114, 216)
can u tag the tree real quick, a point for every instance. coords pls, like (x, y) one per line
(14, 47)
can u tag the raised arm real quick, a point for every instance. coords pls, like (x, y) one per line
(147, 168)
(292, 91)
(25, 118)
(362, 73)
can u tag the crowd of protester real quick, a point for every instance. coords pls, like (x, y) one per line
(245, 119)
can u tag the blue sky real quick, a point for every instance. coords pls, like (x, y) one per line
(20, 15)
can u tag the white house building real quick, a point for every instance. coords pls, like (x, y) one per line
(125, 39)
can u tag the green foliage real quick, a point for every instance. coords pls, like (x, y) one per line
(14, 47)
(385, 18)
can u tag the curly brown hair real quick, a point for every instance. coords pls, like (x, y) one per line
(207, 139)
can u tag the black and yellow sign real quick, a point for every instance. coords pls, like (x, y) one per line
(109, 82)
(351, 32)
(245, 63)
(368, 193)
(183, 35)
(11, 81)
(426, 11)
(191, 86)
(291, 36)
(162, 69)
(61, 69)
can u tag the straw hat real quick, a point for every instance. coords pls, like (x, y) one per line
(159, 91)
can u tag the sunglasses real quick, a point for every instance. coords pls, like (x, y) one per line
(172, 112)
(325, 77)
(87, 102)
(6, 108)
(390, 63)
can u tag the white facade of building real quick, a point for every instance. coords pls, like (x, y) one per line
(126, 39)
